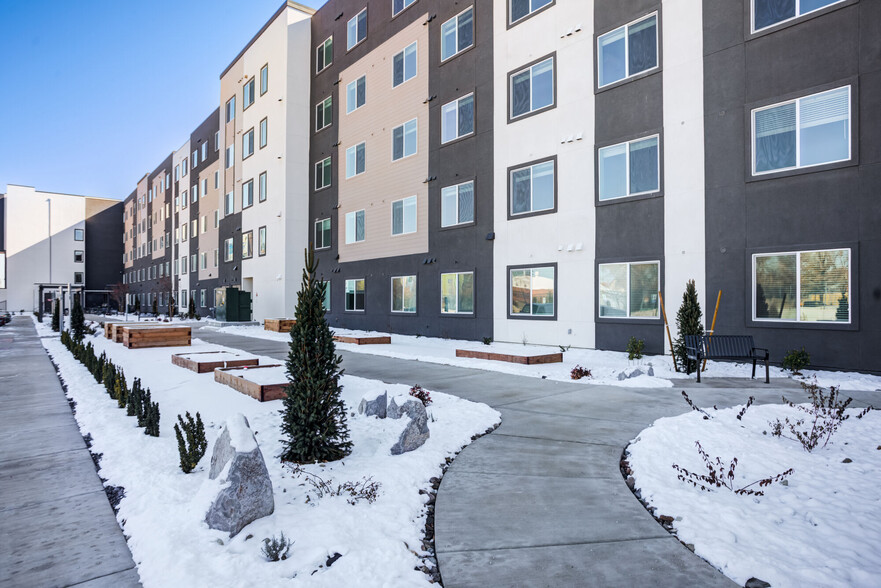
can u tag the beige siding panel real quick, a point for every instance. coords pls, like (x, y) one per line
(384, 181)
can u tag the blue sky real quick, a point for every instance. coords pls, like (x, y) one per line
(97, 93)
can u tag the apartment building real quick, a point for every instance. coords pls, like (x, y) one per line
(50, 240)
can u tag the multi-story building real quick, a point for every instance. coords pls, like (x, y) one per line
(50, 241)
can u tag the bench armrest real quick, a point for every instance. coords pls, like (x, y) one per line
(761, 349)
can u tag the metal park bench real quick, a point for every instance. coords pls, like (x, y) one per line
(701, 347)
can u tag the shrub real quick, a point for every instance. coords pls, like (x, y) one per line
(99, 367)
(155, 308)
(151, 417)
(276, 549)
(134, 406)
(579, 372)
(487, 340)
(191, 442)
(721, 476)
(422, 394)
(696, 408)
(688, 322)
(56, 317)
(109, 377)
(796, 360)
(634, 348)
(191, 309)
(120, 389)
(77, 320)
(354, 492)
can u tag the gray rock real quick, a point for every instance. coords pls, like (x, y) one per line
(375, 407)
(247, 493)
(756, 583)
(416, 433)
(635, 373)
(622, 376)
(651, 371)
(393, 411)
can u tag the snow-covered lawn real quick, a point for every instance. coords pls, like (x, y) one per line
(163, 510)
(822, 529)
(605, 366)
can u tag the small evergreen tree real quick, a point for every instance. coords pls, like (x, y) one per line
(191, 442)
(155, 306)
(133, 404)
(56, 316)
(120, 389)
(143, 408)
(99, 367)
(171, 307)
(688, 322)
(138, 307)
(191, 308)
(314, 415)
(109, 377)
(842, 313)
(77, 320)
(151, 426)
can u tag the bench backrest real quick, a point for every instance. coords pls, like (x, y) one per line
(721, 346)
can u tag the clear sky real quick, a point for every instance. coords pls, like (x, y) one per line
(96, 93)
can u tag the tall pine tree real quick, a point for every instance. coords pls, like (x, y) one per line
(688, 322)
(314, 415)
(77, 320)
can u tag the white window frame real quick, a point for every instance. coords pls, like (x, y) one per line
(797, 102)
(319, 174)
(230, 155)
(473, 202)
(349, 108)
(473, 290)
(229, 249)
(204, 151)
(354, 282)
(405, 4)
(320, 231)
(349, 45)
(626, 28)
(355, 171)
(319, 67)
(229, 203)
(352, 221)
(626, 168)
(414, 204)
(392, 294)
(473, 122)
(403, 127)
(323, 107)
(231, 109)
(628, 295)
(798, 14)
(473, 36)
(403, 54)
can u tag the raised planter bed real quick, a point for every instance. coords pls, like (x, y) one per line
(203, 362)
(108, 327)
(142, 337)
(279, 325)
(511, 357)
(378, 340)
(263, 383)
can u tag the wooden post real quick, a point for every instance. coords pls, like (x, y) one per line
(667, 326)
(713, 326)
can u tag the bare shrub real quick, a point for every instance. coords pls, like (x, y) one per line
(720, 475)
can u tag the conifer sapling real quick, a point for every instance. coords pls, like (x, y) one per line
(688, 322)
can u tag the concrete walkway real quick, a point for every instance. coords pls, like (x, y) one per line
(56, 525)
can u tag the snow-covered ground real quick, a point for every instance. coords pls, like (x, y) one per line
(164, 509)
(605, 366)
(822, 529)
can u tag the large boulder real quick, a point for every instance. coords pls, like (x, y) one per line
(247, 492)
(393, 411)
(416, 433)
(375, 407)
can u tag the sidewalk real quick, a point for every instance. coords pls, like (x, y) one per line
(56, 525)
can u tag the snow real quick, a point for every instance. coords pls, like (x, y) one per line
(240, 435)
(163, 511)
(604, 365)
(215, 356)
(264, 375)
(822, 529)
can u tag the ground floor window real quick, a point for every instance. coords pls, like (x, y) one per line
(247, 244)
(202, 299)
(457, 293)
(533, 291)
(404, 294)
(355, 294)
(802, 286)
(326, 302)
(629, 290)
(228, 249)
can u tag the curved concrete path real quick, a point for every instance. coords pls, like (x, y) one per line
(541, 501)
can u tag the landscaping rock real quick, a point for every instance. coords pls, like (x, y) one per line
(247, 494)
(756, 583)
(376, 407)
(651, 371)
(393, 411)
(635, 373)
(416, 432)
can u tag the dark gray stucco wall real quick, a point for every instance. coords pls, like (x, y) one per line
(103, 245)
(817, 208)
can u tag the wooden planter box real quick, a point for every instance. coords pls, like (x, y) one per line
(261, 392)
(279, 325)
(142, 337)
(511, 358)
(109, 327)
(363, 340)
(203, 362)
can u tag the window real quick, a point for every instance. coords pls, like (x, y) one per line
(356, 160)
(184, 168)
(230, 204)
(803, 286)
(247, 244)
(194, 193)
(629, 169)
(400, 5)
(532, 89)
(629, 290)
(532, 292)
(356, 94)
(79, 235)
(247, 194)
(404, 140)
(324, 55)
(204, 187)
(533, 188)
(217, 140)
(231, 109)
(216, 255)
(203, 260)
(264, 131)
(78, 277)
(404, 65)
(230, 155)
(248, 94)
(520, 9)
(356, 30)
(457, 293)
(355, 227)
(404, 216)
(202, 299)
(216, 180)
(183, 199)
(78, 256)
(322, 174)
(195, 158)
(322, 234)
(767, 13)
(404, 294)
(177, 172)
(457, 118)
(457, 204)
(324, 114)
(809, 131)
(176, 272)
(204, 223)
(628, 50)
(204, 151)
(248, 144)
(264, 79)
(195, 228)
(261, 241)
(457, 34)
(261, 187)
(183, 264)
(326, 302)
(355, 294)
(216, 218)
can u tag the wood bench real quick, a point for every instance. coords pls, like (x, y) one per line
(737, 347)
(143, 337)
(203, 362)
(279, 325)
(255, 389)
(378, 340)
(511, 358)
